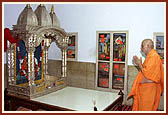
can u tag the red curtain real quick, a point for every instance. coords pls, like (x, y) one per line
(9, 37)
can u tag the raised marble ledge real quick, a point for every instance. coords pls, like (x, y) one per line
(79, 99)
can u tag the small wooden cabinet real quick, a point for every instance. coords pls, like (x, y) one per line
(111, 62)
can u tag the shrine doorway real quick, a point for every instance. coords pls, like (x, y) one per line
(54, 60)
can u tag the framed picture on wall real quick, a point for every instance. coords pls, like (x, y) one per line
(158, 38)
(72, 46)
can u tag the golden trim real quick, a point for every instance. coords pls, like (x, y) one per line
(52, 8)
(41, 87)
(28, 5)
(23, 84)
(61, 82)
(38, 89)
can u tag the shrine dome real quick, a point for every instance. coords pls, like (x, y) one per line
(55, 21)
(27, 17)
(43, 16)
(39, 17)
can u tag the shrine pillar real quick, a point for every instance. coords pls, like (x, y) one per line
(30, 43)
(64, 56)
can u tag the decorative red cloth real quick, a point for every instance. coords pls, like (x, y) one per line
(9, 37)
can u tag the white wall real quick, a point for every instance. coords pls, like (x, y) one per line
(140, 19)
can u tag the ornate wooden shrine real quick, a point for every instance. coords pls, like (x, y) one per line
(27, 58)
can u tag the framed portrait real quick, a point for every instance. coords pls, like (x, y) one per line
(72, 46)
(158, 38)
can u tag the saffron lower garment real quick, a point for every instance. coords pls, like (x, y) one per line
(147, 96)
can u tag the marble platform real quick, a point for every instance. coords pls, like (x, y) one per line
(79, 99)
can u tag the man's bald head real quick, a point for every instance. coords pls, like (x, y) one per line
(148, 43)
(147, 46)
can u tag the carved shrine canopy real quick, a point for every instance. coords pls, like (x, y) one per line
(28, 57)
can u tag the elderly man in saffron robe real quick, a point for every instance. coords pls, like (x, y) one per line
(148, 85)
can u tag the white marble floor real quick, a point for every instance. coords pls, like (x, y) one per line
(79, 99)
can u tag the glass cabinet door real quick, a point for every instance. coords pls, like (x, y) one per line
(118, 74)
(119, 46)
(111, 62)
(103, 59)
(119, 53)
(103, 74)
(104, 46)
